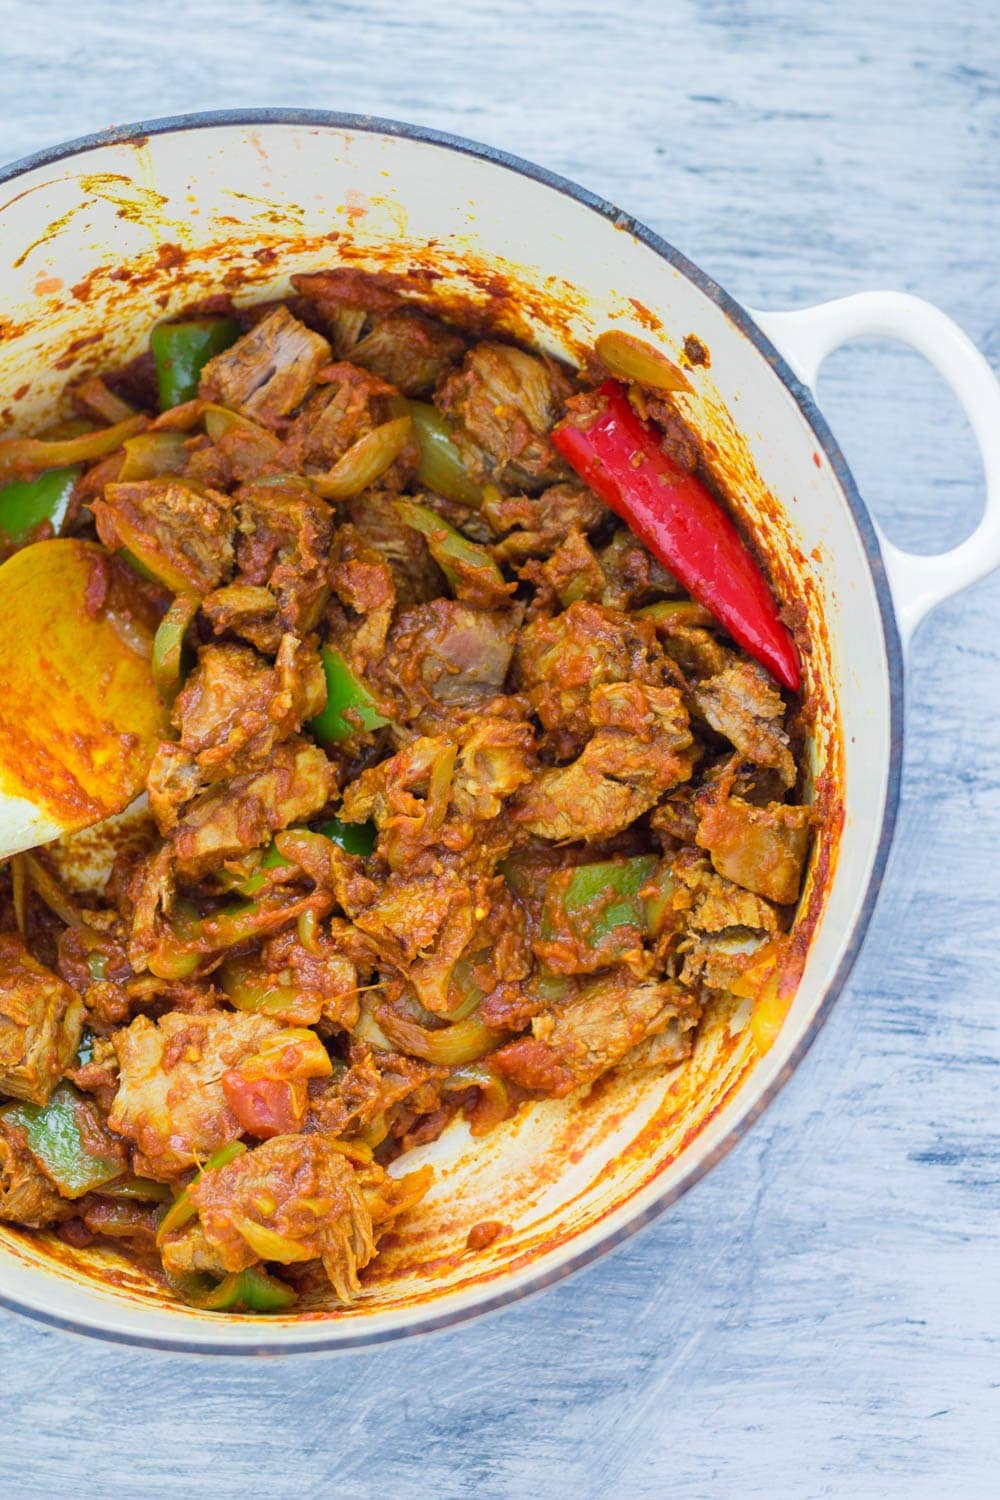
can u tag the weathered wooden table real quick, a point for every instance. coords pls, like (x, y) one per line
(821, 1316)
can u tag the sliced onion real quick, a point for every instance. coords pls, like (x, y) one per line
(364, 461)
(268, 1243)
(448, 1046)
(29, 455)
(631, 358)
(151, 454)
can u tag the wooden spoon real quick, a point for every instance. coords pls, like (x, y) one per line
(79, 713)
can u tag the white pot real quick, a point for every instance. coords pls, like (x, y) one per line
(103, 237)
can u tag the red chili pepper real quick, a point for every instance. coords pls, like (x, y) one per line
(672, 512)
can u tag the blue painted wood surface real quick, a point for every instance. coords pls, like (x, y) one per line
(820, 1317)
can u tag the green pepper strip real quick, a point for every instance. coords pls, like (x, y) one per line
(601, 903)
(247, 988)
(138, 1189)
(441, 467)
(26, 503)
(182, 1210)
(182, 350)
(166, 961)
(62, 1136)
(464, 564)
(168, 660)
(354, 838)
(252, 1290)
(350, 705)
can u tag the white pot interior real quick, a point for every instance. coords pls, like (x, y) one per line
(233, 205)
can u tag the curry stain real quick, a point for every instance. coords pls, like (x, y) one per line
(648, 319)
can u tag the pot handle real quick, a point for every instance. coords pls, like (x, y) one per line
(805, 338)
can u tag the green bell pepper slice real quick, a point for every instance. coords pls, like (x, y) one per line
(602, 906)
(350, 705)
(169, 660)
(354, 838)
(26, 503)
(441, 467)
(470, 570)
(182, 350)
(252, 1290)
(68, 1140)
(167, 961)
(248, 988)
(595, 899)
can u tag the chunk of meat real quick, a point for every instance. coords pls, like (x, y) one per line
(268, 372)
(762, 849)
(304, 1190)
(349, 403)
(415, 574)
(411, 912)
(188, 1253)
(363, 582)
(559, 661)
(235, 707)
(666, 1048)
(495, 758)
(245, 609)
(343, 298)
(717, 904)
(742, 704)
(241, 814)
(695, 650)
(679, 440)
(170, 1102)
(503, 404)
(425, 798)
(571, 573)
(575, 1043)
(41, 1018)
(117, 1219)
(285, 534)
(322, 981)
(450, 653)
(533, 525)
(409, 350)
(374, 1084)
(633, 576)
(185, 534)
(231, 713)
(724, 924)
(26, 1195)
(642, 748)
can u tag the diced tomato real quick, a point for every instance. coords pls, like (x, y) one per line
(265, 1106)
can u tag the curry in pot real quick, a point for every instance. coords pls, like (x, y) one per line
(470, 798)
